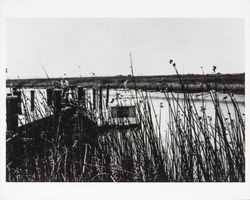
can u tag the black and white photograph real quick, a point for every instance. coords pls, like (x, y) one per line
(125, 100)
(84, 108)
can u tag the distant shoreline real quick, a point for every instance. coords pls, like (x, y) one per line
(234, 83)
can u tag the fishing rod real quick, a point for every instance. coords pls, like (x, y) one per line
(132, 71)
(47, 76)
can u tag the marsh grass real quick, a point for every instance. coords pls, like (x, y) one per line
(195, 148)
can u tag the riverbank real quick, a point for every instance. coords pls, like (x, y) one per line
(194, 82)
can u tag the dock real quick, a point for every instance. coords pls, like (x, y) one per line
(74, 117)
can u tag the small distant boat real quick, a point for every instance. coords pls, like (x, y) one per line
(122, 113)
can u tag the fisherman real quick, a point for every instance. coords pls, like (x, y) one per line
(125, 84)
(65, 98)
(64, 83)
(69, 98)
(14, 91)
(65, 86)
(72, 95)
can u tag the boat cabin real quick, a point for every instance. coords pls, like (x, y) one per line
(123, 114)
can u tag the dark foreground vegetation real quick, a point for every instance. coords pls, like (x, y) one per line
(194, 82)
(195, 148)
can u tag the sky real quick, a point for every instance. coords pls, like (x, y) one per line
(82, 46)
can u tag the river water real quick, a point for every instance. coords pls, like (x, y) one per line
(160, 111)
(160, 105)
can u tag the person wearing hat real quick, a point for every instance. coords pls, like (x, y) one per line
(64, 83)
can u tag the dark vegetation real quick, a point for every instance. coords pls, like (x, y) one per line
(195, 148)
(194, 82)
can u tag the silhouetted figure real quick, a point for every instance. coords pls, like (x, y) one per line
(214, 68)
(125, 84)
(64, 85)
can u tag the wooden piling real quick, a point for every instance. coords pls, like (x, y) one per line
(100, 98)
(49, 92)
(80, 93)
(107, 96)
(57, 100)
(88, 100)
(19, 104)
(84, 98)
(32, 100)
(94, 98)
(12, 112)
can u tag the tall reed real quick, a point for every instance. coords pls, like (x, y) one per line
(195, 148)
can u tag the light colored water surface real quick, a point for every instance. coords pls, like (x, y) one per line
(160, 111)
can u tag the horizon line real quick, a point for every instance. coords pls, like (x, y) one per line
(118, 75)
